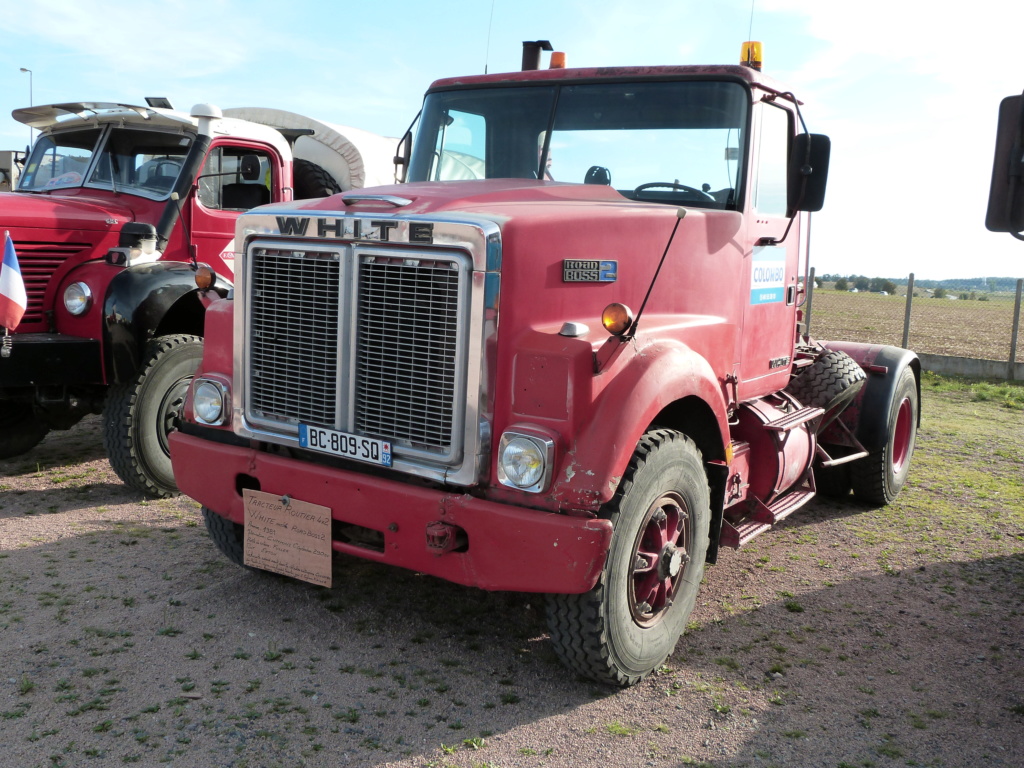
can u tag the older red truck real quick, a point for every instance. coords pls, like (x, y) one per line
(564, 357)
(116, 207)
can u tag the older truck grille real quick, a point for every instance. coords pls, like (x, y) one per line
(38, 262)
(360, 342)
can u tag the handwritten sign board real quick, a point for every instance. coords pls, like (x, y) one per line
(288, 536)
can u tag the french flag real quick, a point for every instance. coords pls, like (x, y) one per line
(13, 299)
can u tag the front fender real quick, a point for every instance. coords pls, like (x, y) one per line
(867, 415)
(145, 301)
(645, 382)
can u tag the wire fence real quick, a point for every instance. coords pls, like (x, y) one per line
(971, 324)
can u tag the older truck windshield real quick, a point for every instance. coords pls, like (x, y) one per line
(659, 140)
(140, 162)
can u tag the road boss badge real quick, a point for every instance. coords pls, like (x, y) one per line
(586, 271)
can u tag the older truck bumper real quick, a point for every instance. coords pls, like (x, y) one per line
(505, 547)
(48, 359)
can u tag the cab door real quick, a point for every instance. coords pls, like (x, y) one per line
(223, 195)
(771, 270)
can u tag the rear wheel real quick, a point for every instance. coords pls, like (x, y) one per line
(20, 429)
(628, 624)
(140, 414)
(228, 536)
(880, 476)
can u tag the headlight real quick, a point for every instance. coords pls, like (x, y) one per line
(525, 461)
(209, 399)
(77, 298)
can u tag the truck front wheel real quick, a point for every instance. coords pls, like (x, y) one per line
(20, 430)
(628, 624)
(228, 536)
(139, 414)
(880, 476)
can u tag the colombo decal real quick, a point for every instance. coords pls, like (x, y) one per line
(768, 275)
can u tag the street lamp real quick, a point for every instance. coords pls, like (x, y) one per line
(29, 100)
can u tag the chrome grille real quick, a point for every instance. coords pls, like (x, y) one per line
(293, 343)
(406, 350)
(363, 342)
(38, 262)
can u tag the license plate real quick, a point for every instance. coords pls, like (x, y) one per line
(345, 445)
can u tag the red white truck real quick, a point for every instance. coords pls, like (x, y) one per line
(117, 207)
(452, 366)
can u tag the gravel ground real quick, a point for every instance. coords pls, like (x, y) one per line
(848, 637)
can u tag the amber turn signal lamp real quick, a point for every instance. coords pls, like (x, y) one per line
(617, 318)
(205, 277)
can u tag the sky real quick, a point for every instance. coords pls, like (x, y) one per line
(907, 91)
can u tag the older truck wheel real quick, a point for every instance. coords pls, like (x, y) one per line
(629, 623)
(20, 430)
(139, 414)
(880, 476)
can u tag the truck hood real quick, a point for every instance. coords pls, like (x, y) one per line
(477, 196)
(30, 211)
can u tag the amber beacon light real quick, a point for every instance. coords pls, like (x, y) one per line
(750, 55)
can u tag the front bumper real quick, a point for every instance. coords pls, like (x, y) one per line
(49, 359)
(507, 547)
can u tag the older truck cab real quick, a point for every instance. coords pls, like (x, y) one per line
(564, 357)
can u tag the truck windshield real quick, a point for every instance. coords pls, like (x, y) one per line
(60, 160)
(668, 141)
(140, 162)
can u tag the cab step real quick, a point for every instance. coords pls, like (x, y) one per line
(764, 516)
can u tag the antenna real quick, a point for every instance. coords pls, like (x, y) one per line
(490, 26)
(750, 31)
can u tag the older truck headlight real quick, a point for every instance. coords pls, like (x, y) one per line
(77, 298)
(525, 460)
(209, 402)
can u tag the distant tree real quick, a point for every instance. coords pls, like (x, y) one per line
(889, 287)
(862, 284)
(841, 284)
(818, 282)
(940, 293)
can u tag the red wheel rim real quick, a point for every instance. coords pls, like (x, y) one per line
(902, 434)
(660, 555)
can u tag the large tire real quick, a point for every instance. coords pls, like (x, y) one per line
(20, 429)
(629, 623)
(830, 382)
(139, 414)
(310, 180)
(880, 476)
(228, 536)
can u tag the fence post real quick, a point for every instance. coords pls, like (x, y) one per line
(906, 312)
(807, 304)
(1015, 331)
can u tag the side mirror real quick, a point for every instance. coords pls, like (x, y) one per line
(1006, 195)
(250, 168)
(808, 172)
(402, 155)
